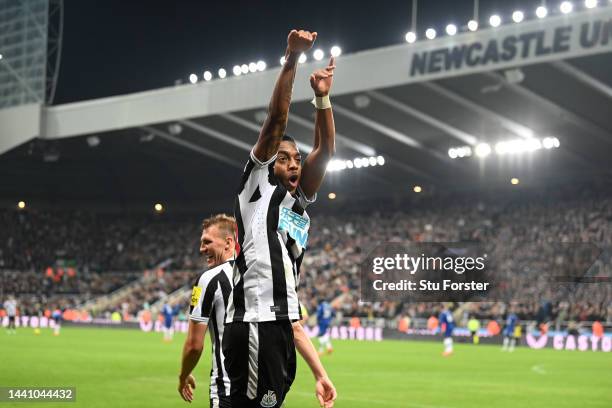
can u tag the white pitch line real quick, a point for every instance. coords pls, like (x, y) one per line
(538, 369)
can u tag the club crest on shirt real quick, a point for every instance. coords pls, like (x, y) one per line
(295, 225)
(195, 295)
(268, 400)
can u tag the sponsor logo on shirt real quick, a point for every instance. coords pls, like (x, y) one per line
(295, 225)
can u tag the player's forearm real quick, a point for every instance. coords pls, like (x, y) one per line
(280, 102)
(308, 352)
(278, 110)
(326, 129)
(191, 356)
(315, 165)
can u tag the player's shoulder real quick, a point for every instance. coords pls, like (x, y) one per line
(217, 272)
(258, 162)
(224, 267)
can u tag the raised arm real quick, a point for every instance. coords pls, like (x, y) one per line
(325, 132)
(278, 111)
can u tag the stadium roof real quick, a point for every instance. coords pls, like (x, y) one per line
(409, 103)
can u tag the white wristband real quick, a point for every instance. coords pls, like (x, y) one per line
(321, 102)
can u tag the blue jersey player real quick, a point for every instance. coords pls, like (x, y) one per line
(447, 324)
(326, 311)
(57, 320)
(168, 313)
(325, 315)
(509, 338)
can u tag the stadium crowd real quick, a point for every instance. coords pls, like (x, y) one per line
(525, 236)
(527, 240)
(33, 241)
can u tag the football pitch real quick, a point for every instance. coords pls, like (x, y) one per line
(130, 368)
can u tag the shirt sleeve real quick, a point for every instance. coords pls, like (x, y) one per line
(255, 173)
(202, 299)
(303, 200)
(260, 163)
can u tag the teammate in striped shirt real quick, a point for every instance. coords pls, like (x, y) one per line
(10, 306)
(275, 189)
(207, 309)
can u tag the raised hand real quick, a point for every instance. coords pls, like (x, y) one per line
(300, 41)
(321, 80)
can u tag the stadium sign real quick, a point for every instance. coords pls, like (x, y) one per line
(179, 326)
(570, 342)
(336, 332)
(578, 34)
(349, 333)
(513, 45)
(30, 321)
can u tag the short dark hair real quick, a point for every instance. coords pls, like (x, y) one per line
(288, 139)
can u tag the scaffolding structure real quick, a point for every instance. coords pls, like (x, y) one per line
(30, 50)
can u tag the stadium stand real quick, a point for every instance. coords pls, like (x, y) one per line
(127, 263)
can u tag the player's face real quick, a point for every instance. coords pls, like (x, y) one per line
(213, 246)
(288, 165)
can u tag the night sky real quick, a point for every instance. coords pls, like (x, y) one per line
(113, 47)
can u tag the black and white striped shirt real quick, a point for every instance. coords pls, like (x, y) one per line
(208, 303)
(11, 307)
(272, 235)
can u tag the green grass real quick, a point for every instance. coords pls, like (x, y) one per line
(130, 368)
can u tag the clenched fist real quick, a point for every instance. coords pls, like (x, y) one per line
(300, 41)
